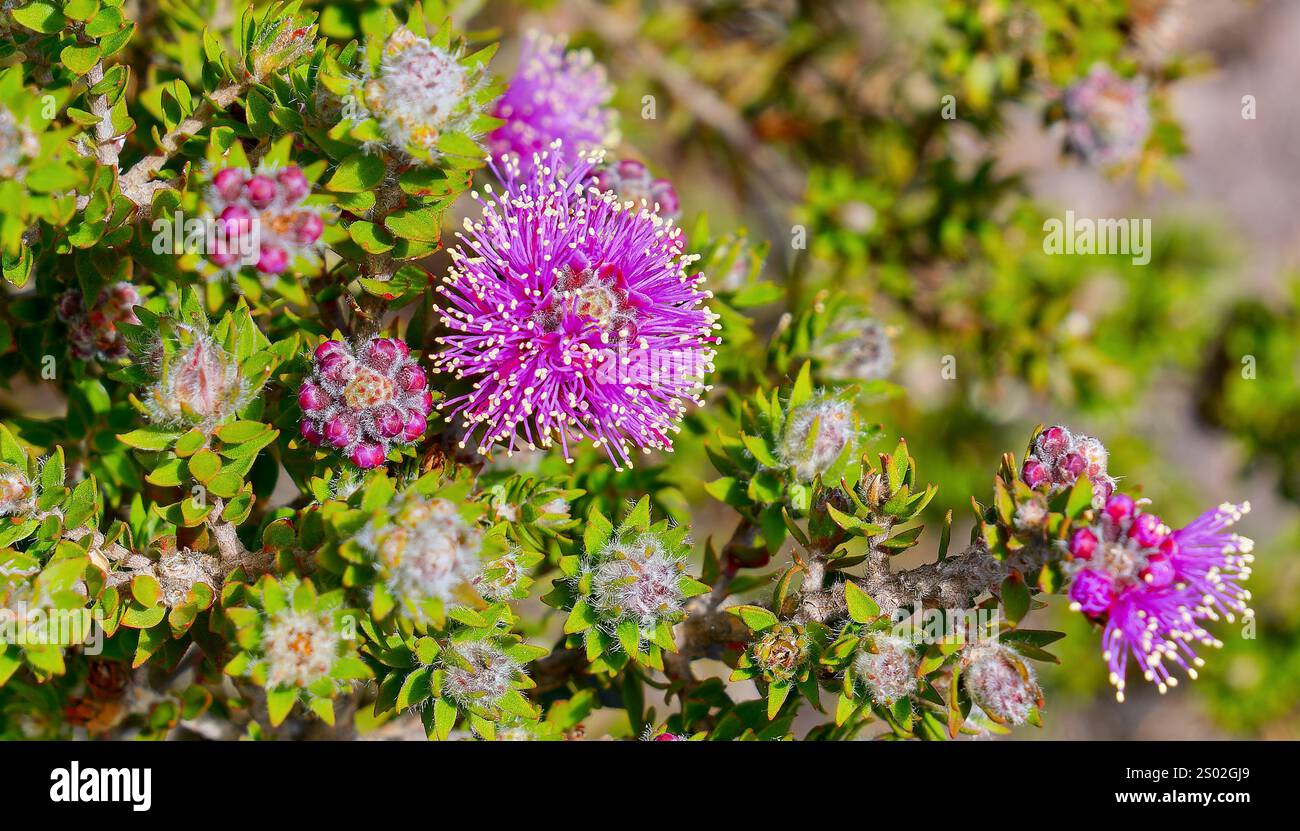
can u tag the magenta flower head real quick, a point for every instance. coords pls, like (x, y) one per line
(1059, 457)
(366, 400)
(574, 316)
(554, 94)
(1107, 118)
(1151, 587)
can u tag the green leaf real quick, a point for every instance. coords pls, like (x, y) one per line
(356, 173)
(204, 465)
(444, 718)
(279, 703)
(148, 438)
(415, 689)
(755, 617)
(40, 15)
(79, 59)
(597, 532)
(639, 518)
(145, 589)
(776, 695)
(1015, 597)
(862, 608)
(580, 618)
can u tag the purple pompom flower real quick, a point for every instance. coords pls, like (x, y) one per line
(574, 316)
(554, 94)
(363, 401)
(1151, 587)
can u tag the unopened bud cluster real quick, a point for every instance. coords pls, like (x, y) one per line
(424, 550)
(17, 492)
(816, 435)
(301, 647)
(199, 385)
(93, 333)
(782, 652)
(1107, 117)
(855, 348)
(632, 181)
(420, 92)
(1059, 458)
(273, 201)
(638, 579)
(1000, 682)
(365, 401)
(887, 669)
(477, 674)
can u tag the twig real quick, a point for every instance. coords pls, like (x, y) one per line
(137, 183)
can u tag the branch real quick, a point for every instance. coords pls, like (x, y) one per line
(230, 548)
(107, 143)
(137, 184)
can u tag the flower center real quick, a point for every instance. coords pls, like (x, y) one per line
(593, 294)
(367, 389)
(1123, 560)
(300, 643)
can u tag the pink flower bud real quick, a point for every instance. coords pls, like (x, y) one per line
(381, 353)
(424, 404)
(312, 398)
(222, 257)
(308, 227)
(228, 183)
(389, 422)
(412, 379)
(260, 191)
(1119, 507)
(311, 432)
(666, 195)
(669, 737)
(1145, 531)
(1103, 488)
(340, 430)
(414, 427)
(273, 260)
(69, 305)
(1070, 467)
(1159, 571)
(367, 455)
(337, 369)
(329, 347)
(1054, 441)
(235, 221)
(295, 184)
(631, 169)
(1093, 591)
(1035, 474)
(1083, 543)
